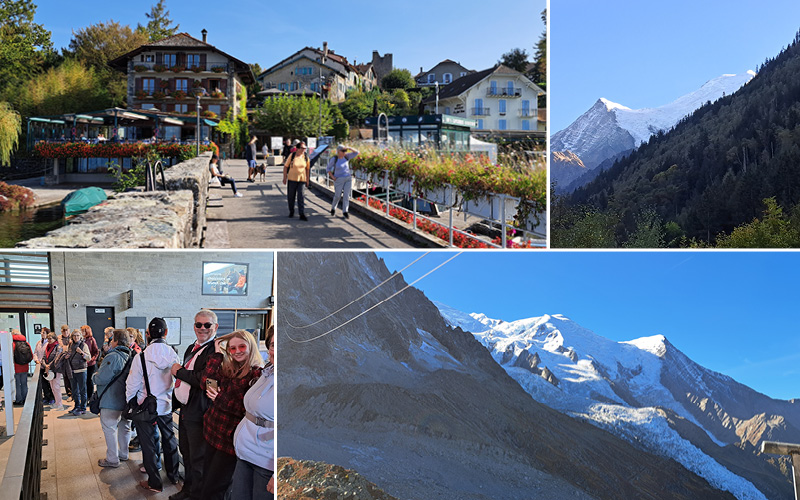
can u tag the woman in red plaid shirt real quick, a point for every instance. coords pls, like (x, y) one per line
(234, 369)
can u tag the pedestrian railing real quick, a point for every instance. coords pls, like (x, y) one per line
(496, 209)
(23, 475)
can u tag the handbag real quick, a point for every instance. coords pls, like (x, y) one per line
(94, 401)
(148, 410)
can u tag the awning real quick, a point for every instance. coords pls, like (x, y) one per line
(210, 123)
(170, 121)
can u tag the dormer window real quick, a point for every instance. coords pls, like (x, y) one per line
(447, 78)
(431, 77)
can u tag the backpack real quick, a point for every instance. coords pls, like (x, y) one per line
(22, 352)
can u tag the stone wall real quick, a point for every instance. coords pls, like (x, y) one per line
(166, 284)
(159, 219)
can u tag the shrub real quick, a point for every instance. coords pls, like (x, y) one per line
(159, 68)
(139, 67)
(159, 95)
(141, 94)
(197, 69)
(179, 94)
(13, 197)
(178, 68)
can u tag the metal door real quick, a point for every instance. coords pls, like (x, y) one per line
(99, 318)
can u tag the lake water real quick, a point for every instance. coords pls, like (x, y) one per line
(27, 224)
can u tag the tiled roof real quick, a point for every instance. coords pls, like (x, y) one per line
(180, 40)
(461, 85)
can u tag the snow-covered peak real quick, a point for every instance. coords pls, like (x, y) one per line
(657, 344)
(610, 105)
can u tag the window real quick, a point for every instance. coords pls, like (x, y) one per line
(463, 73)
(148, 105)
(479, 109)
(480, 124)
(510, 86)
(493, 87)
(192, 60)
(501, 105)
(182, 84)
(315, 86)
(447, 110)
(149, 85)
(294, 86)
(501, 124)
(526, 124)
(149, 58)
(447, 78)
(283, 87)
(215, 108)
(170, 60)
(181, 108)
(431, 77)
(526, 108)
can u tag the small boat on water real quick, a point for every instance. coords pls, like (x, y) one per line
(78, 202)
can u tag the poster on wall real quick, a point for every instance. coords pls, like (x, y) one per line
(225, 278)
(173, 331)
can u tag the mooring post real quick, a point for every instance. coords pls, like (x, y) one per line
(793, 450)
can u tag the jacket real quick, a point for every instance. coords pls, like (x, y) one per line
(20, 338)
(159, 358)
(113, 363)
(94, 351)
(254, 444)
(198, 402)
(78, 356)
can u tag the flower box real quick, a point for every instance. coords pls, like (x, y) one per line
(197, 69)
(164, 84)
(217, 95)
(491, 207)
(209, 114)
(179, 94)
(141, 94)
(159, 95)
(218, 69)
(160, 68)
(178, 68)
(139, 67)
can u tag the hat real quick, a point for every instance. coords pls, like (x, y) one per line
(341, 147)
(301, 144)
(157, 327)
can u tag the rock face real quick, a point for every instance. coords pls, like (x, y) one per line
(304, 479)
(423, 410)
(649, 392)
(159, 219)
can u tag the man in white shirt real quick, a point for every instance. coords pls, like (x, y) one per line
(159, 358)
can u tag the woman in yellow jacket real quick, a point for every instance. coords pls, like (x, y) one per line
(296, 174)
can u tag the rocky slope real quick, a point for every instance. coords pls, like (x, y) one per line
(423, 410)
(306, 479)
(649, 392)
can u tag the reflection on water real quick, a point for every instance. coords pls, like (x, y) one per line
(27, 224)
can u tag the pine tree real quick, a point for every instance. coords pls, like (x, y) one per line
(159, 24)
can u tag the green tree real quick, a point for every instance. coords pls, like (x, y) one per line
(254, 87)
(398, 79)
(649, 231)
(516, 59)
(773, 230)
(294, 117)
(10, 128)
(100, 43)
(25, 46)
(159, 25)
(69, 88)
(538, 73)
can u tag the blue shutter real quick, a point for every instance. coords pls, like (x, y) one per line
(526, 124)
(502, 105)
(480, 124)
(501, 124)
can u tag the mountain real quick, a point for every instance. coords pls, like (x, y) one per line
(647, 392)
(713, 171)
(423, 410)
(303, 479)
(608, 128)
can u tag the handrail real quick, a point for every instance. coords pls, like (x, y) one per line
(23, 475)
(150, 173)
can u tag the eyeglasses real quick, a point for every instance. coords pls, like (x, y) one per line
(199, 325)
(239, 348)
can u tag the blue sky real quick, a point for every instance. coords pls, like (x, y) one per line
(733, 312)
(646, 54)
(417, 33)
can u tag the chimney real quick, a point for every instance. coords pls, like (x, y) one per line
(205, 35)
(420, 69)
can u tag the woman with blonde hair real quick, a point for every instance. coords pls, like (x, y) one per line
(229, 373)
(52, 351)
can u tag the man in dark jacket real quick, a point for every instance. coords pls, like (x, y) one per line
(190, 396)
(250, 156)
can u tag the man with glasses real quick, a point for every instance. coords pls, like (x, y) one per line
(190, 396)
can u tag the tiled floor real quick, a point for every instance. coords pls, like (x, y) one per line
(75, 444)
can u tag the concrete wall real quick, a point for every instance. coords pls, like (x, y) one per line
(164, 283)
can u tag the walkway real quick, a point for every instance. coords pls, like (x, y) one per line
(260, 219)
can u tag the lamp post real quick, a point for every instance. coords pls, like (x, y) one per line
(321, 79)
(197, 96)
(436, 84)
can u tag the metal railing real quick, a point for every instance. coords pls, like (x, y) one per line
(527, 113)
(23, 476)
(504, 92)
(481, 111)
(399, 197)
(198, 68)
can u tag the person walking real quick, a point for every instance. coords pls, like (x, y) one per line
(215, 174)
(339, 171)
(38, 358)
(110, 379)
(191, 398)
(23, 355)
(253, 438)
(287, 148)
(296, 175)
(53, 355)
(91, 343)
(158, 358)
(250, 156)
(229, 373)
(77, 357)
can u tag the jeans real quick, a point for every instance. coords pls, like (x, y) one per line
(342, 187)
(295, 189)
(79, 390)
(21, 382)
(249, 481)
(226, 178)
(89, 382)
(55, 385)
(148, 438)
(117, 431)
(217, 484)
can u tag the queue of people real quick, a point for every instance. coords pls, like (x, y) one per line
(221, 388)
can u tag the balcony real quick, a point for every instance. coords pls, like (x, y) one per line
(527, 113)
(218, 68)
(504, 92)
(480, 112)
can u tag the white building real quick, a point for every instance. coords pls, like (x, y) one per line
(502, 101)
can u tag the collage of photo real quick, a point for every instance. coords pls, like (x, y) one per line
(546, 255)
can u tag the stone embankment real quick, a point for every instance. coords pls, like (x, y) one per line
(159, 219)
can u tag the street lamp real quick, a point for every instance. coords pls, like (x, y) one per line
(437, 97)
(197, 95)
(321, 79)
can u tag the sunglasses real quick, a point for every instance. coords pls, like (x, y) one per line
(203, 325)
(239, 348)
